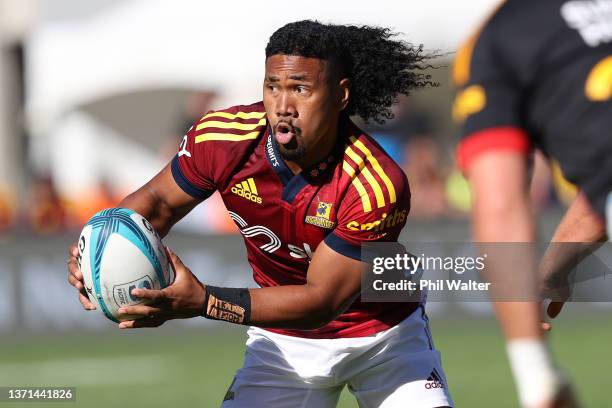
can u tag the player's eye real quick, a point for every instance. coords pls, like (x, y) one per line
(301, 89)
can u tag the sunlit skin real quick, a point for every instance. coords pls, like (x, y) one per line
(304, 98)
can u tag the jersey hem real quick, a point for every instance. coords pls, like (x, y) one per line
(506, 138)
(363, 329)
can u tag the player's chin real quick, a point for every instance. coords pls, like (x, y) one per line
(292, 151)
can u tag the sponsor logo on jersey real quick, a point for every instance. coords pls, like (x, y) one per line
(274, 243)
(434, 380)
(247, 189)
(183, 148)
(271, 154)
(591, 19)
(386, 221)
(321, 217)
(252, 231)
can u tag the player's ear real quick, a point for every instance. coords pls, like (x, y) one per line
(345, 92)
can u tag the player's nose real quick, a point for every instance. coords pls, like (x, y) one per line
(285, 106)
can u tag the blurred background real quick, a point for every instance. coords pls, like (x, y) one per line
(95, 97)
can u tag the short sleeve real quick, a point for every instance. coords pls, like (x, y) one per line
(191, 167)
(371, 216)
(488, 105)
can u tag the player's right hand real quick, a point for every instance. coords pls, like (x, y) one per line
(75, 277)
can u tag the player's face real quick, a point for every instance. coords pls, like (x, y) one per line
(303, 98)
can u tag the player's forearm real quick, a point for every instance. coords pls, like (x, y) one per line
(580, 223)
(293, 307)
(580, 232)
(302, 307)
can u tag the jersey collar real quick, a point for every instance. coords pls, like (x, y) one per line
(293, 183)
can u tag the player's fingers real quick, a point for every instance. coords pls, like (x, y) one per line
(75, 282)
(73, 250)
(175, 260)
(154, 295)
(73, 268)
(146, 322)
(87, 305)
(140, 310)
(554, 309)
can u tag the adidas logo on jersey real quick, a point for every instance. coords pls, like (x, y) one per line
(434, 380)
(247, 189)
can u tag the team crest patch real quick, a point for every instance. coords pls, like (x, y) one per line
(321, 217)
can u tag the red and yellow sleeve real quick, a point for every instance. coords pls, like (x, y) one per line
(213, 145)
(376, 205)
(191, 167)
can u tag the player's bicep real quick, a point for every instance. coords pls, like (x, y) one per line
(161, 200)
(334, 278)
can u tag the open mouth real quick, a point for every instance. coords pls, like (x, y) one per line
(284, 133)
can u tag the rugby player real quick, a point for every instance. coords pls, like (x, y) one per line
(306, 188)
(536, 75)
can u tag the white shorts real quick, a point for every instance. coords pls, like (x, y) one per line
(398, 367)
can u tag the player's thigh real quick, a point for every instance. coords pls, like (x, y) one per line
(268, 379)
(414, 380)
(245, 393)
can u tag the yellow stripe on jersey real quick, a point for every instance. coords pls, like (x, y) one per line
(245, 185)
(379, 170)
(463, 61)
(380, 198)
(252, 185)
(241, 115)
(230, 125)
(206, 137)
(365, 199)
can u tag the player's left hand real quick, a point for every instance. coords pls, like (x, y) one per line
(181, 300)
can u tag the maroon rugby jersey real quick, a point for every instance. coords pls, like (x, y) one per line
(356, 194)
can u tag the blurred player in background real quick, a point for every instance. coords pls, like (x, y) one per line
(306, 188)
(536, 75)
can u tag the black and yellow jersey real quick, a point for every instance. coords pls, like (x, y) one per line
(538, 74)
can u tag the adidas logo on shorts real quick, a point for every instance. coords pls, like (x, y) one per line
(247, 189)
(434, 380)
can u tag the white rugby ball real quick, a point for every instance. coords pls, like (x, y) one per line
(118, 251)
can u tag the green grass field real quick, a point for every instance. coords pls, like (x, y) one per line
(171, 368)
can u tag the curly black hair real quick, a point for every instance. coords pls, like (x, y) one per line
(380, 66)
